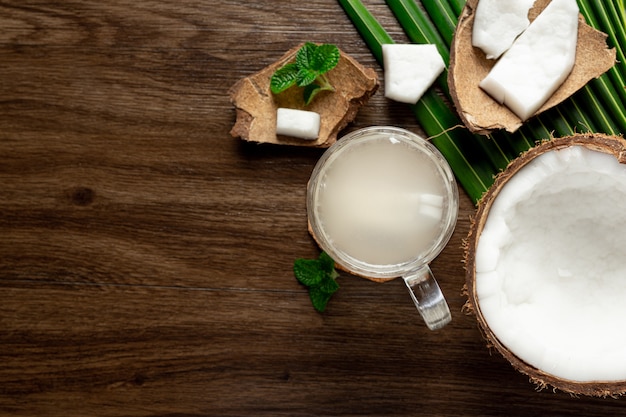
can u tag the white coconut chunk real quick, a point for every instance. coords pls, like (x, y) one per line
(555, 296)
(538, 61)
(409, 70)
(301, 124)
(497, 23)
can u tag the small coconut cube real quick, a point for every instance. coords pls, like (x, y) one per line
(409, 70)
(301, 124)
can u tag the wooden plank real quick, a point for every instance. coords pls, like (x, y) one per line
(146, 255)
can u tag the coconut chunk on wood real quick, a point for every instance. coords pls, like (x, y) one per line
(538, 61)
(410, 69)
(498, 23)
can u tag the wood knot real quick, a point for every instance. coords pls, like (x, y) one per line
(138, 380)
(81, 196)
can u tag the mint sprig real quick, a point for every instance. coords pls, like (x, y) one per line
(319, 276)
(308, 71)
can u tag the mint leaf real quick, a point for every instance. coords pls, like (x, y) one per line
(326, 263)
(310, 91)
(305, 76)
(284, 78)
(311, 64)
(328, 286)
(306, 56)
(308, 271)
(325, 58)
(319, 298)
(319, 275)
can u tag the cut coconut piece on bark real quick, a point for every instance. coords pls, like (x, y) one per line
(410, 69)
(545, 269)
(498, 23)
(301, 124)
(468, 66)
(256, 106)
(538, 61)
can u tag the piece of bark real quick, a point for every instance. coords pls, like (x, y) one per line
(468, 66)
(256, 105)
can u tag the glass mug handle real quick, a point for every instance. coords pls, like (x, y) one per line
(428, 297)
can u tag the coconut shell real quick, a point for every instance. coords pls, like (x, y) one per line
(256, 105)
(468, 66)
(612, 145)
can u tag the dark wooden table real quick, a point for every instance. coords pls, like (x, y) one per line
(146, 255)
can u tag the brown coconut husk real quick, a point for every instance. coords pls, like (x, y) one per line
(256, 105)
(612, 145)
(468, 66)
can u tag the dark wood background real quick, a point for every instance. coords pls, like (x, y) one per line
(146, 255)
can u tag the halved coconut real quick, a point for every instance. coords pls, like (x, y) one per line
(546, 264)
(469, 66)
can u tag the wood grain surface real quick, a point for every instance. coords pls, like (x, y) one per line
(146, 255)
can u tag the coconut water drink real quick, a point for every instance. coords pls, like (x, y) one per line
(382, 201)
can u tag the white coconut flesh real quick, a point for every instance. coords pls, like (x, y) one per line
(538, 62)
(497, 23)
(410, 69)
(550, 265)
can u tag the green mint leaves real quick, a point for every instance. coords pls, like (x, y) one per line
(319, 275)
(284, 77)
(308, 71)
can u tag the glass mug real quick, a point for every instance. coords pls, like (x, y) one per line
(383, 203)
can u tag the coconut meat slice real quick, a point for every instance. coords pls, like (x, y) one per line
(538, 61)
(550, 269)
(497, 23)
(410, 69)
